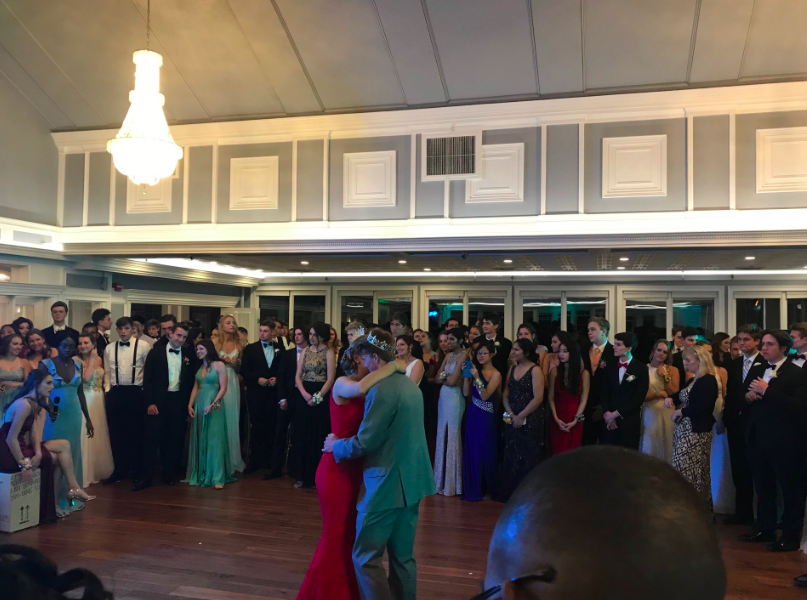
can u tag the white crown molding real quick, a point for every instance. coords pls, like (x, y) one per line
(32, 289)
(147, 297)
(769, 97)
(147, 269)
(781, 160)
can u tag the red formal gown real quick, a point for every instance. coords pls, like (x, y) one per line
(331, 575)
(566, 405)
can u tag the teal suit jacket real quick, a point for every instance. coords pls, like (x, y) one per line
(392, 442)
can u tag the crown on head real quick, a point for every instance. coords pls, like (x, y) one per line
(380, 344)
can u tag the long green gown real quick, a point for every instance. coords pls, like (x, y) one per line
(208, 457)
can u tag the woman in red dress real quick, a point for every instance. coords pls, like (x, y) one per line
(568, 393)
(331, 575)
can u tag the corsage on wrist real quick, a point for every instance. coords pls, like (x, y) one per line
(443, 376)
(480, 385)
(317, 398)
(580, 418)
(507, 418)
(25, 465)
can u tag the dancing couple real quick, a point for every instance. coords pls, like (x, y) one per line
(387, 449)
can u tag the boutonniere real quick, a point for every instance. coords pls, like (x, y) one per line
(630, 378)
(496, 344)
(773, 374)
(756, 364)
(602, 364)
(186, 360)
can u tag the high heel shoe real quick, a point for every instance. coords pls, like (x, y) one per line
(78, 494)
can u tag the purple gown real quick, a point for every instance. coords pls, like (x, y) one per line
(480, 461)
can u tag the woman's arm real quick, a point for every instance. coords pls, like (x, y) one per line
(82, 400)
(506, 393)
(192, 401)
(537, 399)
(453, 380)
(675, 382)
(551, 398)
(548, 361)
(21, 412)
(492, 386)
(345, 387)
(298, 377)
(26, 368)
(417, 371)
(330, 361)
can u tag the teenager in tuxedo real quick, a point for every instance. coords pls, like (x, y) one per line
(777, 420)
(287, 396)
(167, 384)
(798, 336)
(677, 342)
(259, 365)
(167, 323)
(689, 336)
(102, 319)
(123, 382)
(282, 334)
(626, 383)
(59, 330)
(596, 357)
(741, 372)
(491, 324)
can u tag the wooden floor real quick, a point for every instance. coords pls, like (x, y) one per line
(254, 540)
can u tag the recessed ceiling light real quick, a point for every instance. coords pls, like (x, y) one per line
(303, 262)
(428, 269)
(620, 268)
(401, 262)
(750, 257)
(507, 261)
(624, 258)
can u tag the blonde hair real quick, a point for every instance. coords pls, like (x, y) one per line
(224, 337)
(707, 365)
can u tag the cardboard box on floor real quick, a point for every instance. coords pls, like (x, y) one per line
(19, 501)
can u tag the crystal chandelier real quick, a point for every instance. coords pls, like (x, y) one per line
(144, 150)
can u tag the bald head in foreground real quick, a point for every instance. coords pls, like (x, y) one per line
(604, 523)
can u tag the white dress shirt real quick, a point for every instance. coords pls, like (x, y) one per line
(120, 373)
(174, 367)
(623, 370)
(770, 370)
(58, 327)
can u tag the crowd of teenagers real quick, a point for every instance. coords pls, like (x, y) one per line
(728, 413)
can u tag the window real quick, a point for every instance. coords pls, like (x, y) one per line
(477, 307)
(647, 320)
(443, 308)
(699, 314)
(208, 318)
(796, 310)
(353, 308)
(764, 312)
(389, 306)
(308, 310)
(274, 307)
(147, 311)
(580, 311)
(544, 314)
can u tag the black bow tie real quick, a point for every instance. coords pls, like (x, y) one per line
(266, 344)
(122, 344)
(772, 366)
(173, 351)
(800, 356)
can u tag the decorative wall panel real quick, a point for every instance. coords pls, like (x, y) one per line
(634, 166)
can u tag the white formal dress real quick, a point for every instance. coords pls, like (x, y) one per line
(657, 425)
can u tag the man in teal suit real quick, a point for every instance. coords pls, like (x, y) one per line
(397, 474)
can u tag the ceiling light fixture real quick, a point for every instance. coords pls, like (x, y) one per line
(401, 262)
(144, 150)
(303, 262)
(507, 261)
(750, 257)
(428, 269)
(620, 268)
(624, 259)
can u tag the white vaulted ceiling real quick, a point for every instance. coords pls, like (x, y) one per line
(235, 59)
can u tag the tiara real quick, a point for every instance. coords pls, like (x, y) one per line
(380, 344)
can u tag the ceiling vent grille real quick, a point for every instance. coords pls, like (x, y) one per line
(451, 157)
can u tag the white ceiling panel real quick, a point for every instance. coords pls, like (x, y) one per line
(636, 42)
(720, 40)
(485, 47)
(558, 35)
(275, 52)
(344, 50)
(404, 24)
(209, 48)
(777, 44)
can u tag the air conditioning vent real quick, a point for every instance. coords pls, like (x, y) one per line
(450, 157)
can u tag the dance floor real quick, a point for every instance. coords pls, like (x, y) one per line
(254, 540)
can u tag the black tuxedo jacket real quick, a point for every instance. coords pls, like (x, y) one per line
(678, 363)
(286, 371)
(778, 420)
(599, 376)
(735, 407)
(502, 355)
(54, 338)
(626, 397)
(254, 366)
(155, 376)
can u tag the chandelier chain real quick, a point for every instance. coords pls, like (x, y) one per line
(148, 23)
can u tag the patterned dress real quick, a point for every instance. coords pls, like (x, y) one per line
(448, 451)
(692, 451)
(311, 424)
(10, 393)
(525, 446)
